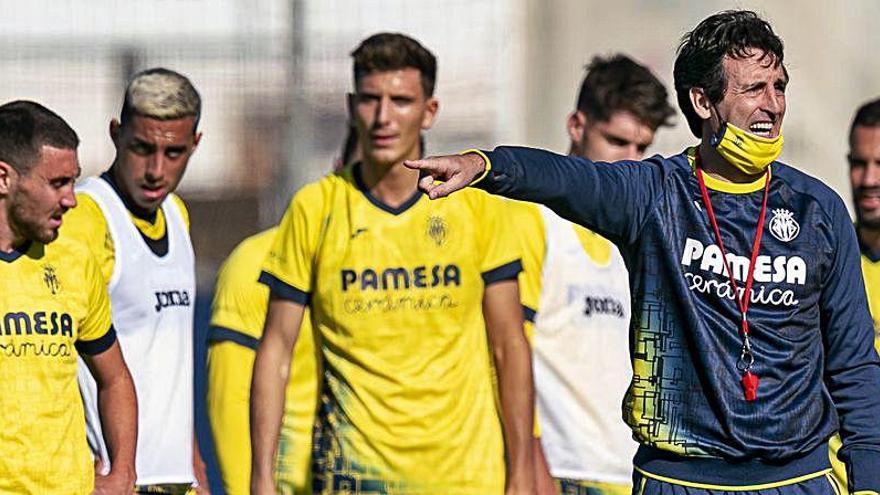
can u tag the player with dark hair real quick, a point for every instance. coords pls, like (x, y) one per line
(751, 340)
(410, 300)
(54, 308)
(575, 292)
(139, 232)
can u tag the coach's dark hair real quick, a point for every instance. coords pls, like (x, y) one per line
(25, 127)
(699, 63)
(393, 51)
(618, 83)
(868, 115)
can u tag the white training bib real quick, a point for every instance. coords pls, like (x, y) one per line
(152, 300)
(581, 358)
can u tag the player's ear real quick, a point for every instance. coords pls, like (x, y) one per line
(700, 102)
(577, 126)
(350, 104)
(196, 138)
(115, 129)
(7, 177)
(432, 106)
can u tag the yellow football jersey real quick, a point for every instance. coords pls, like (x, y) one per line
(871, 272)
(86, 222)
(407, 403)
(54, 306)
(238, 314)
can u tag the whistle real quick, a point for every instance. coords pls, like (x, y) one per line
(750, 385)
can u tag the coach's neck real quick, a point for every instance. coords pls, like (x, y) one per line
(716, 166)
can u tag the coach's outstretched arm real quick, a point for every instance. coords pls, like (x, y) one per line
(610, 200)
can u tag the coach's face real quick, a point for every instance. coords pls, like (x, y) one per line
(864, 174)
(390, 110)
(151, 157)
(754, 99)
(39, 198)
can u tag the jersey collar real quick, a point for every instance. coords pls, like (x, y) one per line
(724, 186)
(362, 186)
(16, 253)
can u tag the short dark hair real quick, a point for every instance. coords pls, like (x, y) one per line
(732, 33)
(618, 83)
(25, 127)
(393, 51)
(868, 115)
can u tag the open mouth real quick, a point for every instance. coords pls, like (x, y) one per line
(763, 129)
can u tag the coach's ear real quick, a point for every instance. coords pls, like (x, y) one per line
(7, 177)
(700, 102)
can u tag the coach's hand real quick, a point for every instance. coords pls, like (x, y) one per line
(443, 175)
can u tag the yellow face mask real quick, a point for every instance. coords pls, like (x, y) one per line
(750, 153)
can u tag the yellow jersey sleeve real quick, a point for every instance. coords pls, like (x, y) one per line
(86, 223)
(289, 267)
(529, 230)
(96, 333)
(229, 380)
(239, 301)
(499, 250)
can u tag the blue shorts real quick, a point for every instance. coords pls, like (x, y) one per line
(821, 483)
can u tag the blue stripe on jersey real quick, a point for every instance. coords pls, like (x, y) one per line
(529, 314)
(16, 253)
(223, 334)
(811, 331)
(507, 271)
(284, 290)
(97, 346)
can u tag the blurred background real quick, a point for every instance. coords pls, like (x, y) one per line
(273, 75)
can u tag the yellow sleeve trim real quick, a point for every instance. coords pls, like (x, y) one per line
(706, 486)
(485, 160)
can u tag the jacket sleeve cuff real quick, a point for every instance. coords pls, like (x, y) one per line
(486, 160)
(863, 469)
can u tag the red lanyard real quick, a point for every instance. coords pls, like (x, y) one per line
(746, 359)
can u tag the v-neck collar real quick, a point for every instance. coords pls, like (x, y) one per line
(359, 182)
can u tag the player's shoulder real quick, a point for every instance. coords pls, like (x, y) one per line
(522, 213)
(87, 213)
(70, 253)
(184, 212)
(255, 246)
(321, 190)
